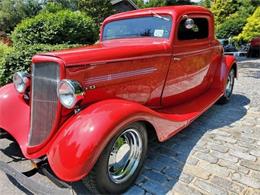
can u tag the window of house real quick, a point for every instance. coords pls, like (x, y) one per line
(199, 31)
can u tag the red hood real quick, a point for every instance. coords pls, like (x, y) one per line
(112, 50)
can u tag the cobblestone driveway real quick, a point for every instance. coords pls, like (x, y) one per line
(218, 154)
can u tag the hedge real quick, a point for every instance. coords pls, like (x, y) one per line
(4, 49)
(62, 27)
(19, 59)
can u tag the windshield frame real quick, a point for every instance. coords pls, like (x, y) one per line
(151, 14)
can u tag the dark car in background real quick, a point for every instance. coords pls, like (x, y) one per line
(254, 49)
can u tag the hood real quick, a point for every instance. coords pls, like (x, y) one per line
(112, 50)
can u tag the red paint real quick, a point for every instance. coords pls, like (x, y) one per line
(165, 82)
(255, 42)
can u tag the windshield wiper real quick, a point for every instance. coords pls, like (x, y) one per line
(159, 16)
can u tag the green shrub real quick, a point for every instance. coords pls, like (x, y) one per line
(231, 27)
(4, 49)
(97, 9)
(62, 27)
(52, 7)
(19, 59)
(252, 28)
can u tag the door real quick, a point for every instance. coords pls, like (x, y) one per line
(189, 72)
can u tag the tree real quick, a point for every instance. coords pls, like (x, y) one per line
(13, 11)
(206, 3)
(231, 27)
(252, 28)
(224, 8)
(97, 9)
(69, 4)
(231, 15)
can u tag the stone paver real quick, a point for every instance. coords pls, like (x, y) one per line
(219, 153)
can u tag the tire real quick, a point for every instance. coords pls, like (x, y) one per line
(108, 175)
(229, 87)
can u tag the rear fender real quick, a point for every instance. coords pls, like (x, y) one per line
(83, 137)
(230, 62)
(222, 72)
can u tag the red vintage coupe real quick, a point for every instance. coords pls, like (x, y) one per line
(87, 112)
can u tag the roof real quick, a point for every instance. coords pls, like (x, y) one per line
(114, 2)
(172, 10)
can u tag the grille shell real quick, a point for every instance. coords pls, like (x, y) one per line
(44, 101)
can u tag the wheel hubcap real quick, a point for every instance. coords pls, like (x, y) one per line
(125, 156)
(230, 83)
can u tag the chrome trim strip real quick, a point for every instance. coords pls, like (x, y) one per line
(121, 75)
(194, 52)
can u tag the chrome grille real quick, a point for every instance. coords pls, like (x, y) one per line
(44, 101)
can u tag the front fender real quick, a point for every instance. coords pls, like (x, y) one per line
(84, 136)
(14, 115)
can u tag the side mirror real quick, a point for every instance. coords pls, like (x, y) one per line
(189, 23)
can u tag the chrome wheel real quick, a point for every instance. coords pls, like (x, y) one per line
(125, 156)
(230, 83)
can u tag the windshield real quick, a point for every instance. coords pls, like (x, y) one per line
(150, 26)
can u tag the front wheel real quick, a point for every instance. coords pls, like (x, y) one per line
(120, 162)
(229, 87)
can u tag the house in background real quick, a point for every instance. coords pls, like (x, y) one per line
(123, 5)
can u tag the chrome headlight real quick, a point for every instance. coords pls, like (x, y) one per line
(69, 93)
(21, 81)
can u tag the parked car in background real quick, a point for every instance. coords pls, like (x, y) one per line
(88, 112)
(254, 48)
(228, 47)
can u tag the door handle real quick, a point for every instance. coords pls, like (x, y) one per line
(176, 59)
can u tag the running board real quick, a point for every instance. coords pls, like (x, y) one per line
(192, 109)
(179, 116)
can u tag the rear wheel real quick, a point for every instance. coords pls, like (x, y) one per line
(120, 162)
(229, 87)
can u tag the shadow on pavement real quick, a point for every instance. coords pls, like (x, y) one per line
(165, 161)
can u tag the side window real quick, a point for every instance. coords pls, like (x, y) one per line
(200, 29)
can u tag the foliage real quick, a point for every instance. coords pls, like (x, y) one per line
(19, 59)
(52, 7)
(56, 28)
(13, 11)
(205, 3)
(231, 27)
(68, 4)
(97, 9)
(252, 28)
(4, 49)
(223, 9)
(231, 16)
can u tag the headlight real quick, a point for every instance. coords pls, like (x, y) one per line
(69, 93)
(21, 81)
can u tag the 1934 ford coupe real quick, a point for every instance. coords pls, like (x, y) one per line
(88, 111)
